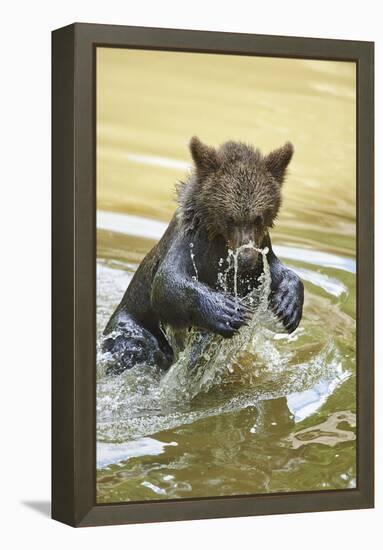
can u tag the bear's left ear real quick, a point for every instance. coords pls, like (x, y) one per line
(205, 157)
(277, 161)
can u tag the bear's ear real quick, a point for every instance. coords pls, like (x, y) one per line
(205, 157)
(277, 161)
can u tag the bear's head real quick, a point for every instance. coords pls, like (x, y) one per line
(234, 193)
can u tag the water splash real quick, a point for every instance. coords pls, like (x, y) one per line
(192, 256)
(222, 282)
(142, 401)
(204, 359)
(232, 260)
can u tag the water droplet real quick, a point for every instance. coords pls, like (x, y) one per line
(193, 262)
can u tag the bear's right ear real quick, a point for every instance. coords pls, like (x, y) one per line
(205, 157)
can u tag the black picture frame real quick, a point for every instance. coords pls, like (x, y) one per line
(74, 275)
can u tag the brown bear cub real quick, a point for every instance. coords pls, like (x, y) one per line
(231, 199)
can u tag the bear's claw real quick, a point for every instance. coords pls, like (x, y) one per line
(287, 302)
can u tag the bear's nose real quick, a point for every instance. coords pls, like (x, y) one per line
(247, 257)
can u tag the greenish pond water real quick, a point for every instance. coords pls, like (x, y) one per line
(280, 416)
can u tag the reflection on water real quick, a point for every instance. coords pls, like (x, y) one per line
(326, 433)
(281, 416)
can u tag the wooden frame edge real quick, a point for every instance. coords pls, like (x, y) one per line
(73, 277)
(63, 212)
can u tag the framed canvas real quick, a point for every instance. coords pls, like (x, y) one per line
(212, 274)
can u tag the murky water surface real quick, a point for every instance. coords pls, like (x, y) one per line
(266, 411)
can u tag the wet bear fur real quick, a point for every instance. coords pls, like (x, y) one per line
(231, 199)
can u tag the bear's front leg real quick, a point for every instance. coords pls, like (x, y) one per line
(287, 294)
(218, 312)
(181, 301)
